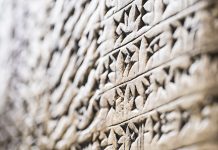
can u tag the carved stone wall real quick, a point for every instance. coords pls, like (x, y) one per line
(109, 74)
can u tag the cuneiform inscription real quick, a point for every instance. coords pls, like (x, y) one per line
(116, 74)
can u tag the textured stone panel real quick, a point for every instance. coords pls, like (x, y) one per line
(109, 74)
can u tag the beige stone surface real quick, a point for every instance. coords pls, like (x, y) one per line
(109, 74)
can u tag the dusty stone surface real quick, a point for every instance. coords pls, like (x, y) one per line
(109, 74)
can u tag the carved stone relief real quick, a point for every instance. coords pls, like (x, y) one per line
(111, 74)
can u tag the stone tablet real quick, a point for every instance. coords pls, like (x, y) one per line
(109, 74)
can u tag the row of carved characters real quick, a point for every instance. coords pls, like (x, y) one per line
(167, 127)
(112, 7)
(139, 17)
(160, 86)
(183, 34)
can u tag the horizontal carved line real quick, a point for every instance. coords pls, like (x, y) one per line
(213, 49)
(175, 100)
